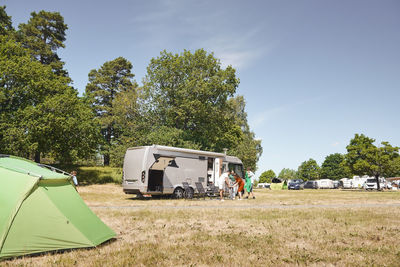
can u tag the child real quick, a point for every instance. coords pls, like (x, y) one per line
(74, 179)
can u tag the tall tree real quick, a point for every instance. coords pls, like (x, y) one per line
(248, 148)
(287, 174)
(105, 84)
(189, 92)
(334, 167)
(266, 176)
(364, 158)
(5, 22)
(39, 112)
(44, 34)
(308, 170)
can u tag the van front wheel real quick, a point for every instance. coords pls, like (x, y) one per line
(178, 193)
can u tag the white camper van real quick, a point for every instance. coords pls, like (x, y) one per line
(161, 170)
(325, 184)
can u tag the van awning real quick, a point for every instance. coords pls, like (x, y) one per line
(162, 162)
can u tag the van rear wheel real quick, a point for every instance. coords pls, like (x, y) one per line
(178, 193)
(189, 193)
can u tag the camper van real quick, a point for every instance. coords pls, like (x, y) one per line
(346, 183)
(370, 184)
(325, 184)
(161, 170)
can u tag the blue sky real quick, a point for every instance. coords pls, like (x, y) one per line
(313, 73)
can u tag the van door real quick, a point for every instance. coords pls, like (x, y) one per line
(217, 169)
(156, 172)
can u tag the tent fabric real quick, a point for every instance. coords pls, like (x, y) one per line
(43, 214)
(29, 167)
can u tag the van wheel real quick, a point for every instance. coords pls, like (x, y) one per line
(178, 193)
(189, 193)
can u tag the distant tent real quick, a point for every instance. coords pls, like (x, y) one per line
(40, 211)
(277, 184)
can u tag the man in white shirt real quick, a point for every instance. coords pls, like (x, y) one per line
(222, 181)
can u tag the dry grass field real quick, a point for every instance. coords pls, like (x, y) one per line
(308, 227)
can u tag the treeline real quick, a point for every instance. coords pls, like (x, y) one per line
(186, 100)
(363, 157)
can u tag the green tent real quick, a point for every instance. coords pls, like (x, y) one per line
(278, 184)
(40, 210)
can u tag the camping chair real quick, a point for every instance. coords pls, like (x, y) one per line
(200, 190)
(212, 191)
(188, 194)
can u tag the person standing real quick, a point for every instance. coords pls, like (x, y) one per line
(250, 178)
(74, 179)
(247, 185)
(232, 186)
(222, 181)
(239, 183)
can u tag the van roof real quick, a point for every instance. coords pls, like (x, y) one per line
(233, 159)
(182, 150)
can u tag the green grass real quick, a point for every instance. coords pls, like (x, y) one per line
(215, 237)
(220, 234)
(88, 175)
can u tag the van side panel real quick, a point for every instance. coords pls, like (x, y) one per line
(189, 170)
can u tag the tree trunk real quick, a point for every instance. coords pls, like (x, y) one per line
(377, 181)
(106, 159)
(108, 137)
(37, 157)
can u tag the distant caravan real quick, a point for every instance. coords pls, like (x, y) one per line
(161, 170)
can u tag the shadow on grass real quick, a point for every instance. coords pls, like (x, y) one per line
(88, 175)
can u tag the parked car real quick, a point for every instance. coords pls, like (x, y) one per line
(310, 185)
(295, 184)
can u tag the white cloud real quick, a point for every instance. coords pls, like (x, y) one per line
(267, 115)
(335, 144)
(200, 24)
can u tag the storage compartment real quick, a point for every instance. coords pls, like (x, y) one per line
(155, 181)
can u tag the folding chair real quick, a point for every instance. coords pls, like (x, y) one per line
(188, 194)
(200, 190)
(212, 191)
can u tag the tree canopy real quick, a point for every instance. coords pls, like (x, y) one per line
(40, 113)
(266, 176)
(191, 97)
(44, 34)
(105, 84)
(189, 92)
(287, 174)
(334, 167)
(308, 170)
(187, 100)
(364, 158)
(5, 22)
